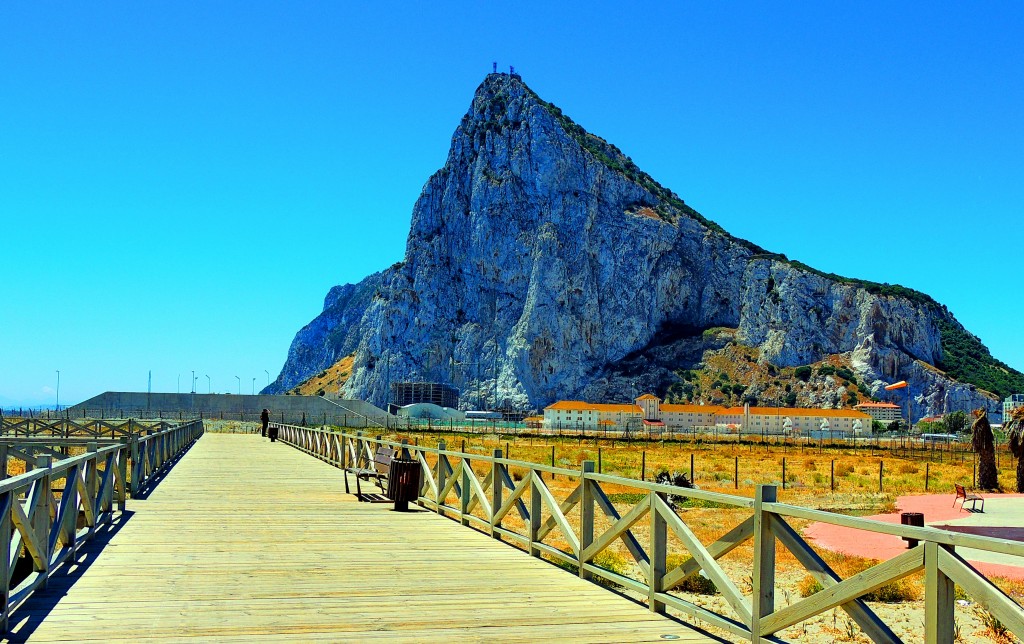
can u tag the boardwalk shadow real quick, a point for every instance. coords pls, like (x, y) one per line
(999, 532)
(26, 618)
(158, 477)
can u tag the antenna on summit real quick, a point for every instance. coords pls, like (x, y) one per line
(494, 67)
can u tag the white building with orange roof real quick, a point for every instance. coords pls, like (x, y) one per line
(798, 421)
(881, 411)
(577, 414)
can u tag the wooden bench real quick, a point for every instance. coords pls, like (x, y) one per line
(961, 493)
(379, 469)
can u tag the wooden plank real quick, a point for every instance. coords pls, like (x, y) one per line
(864, 582)
(763, 595)
(711, 568)
(983, 591)
(869, 622)
(553, 507)
(616, 530)
(723, 546)
(938, 598)
(190, 566)
(632, 544)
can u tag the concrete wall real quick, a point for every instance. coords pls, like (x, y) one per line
(288, 409)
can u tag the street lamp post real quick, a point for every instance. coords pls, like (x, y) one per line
(178, 389)
(268, 376)
(254, 386)
(239, 385)
(209, 389)
(58, 389)
(194, 381)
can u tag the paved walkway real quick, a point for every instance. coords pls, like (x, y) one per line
(251, 541)
(1003, 517)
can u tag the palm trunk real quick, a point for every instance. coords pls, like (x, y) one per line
(988, 476)
(1020, 473)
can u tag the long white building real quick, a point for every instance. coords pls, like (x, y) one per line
(649, 412)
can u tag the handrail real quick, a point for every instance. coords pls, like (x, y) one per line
(454, 486)
(42, 519)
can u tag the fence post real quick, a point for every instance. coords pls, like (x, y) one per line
(122, 470)
(764, 560)
(881, 466)
(136, 469)
(658, 553)
(496, 491)
(938, 598)
(6, 499)
(535, 510)
(442, 475)
(41, 516)
(586, 515)
(465, 493)
(3, 475)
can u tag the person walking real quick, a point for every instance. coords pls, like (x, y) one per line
(265, 419)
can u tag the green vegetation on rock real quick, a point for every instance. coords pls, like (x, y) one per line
(965, 358)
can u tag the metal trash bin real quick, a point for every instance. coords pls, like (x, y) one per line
(914, 519)
(404, 482)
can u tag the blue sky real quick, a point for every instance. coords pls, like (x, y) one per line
(182, 182)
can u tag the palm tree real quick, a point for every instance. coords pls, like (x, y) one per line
(984, 445)
(1015, 433)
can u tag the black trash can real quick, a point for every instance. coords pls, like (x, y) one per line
(404, 482)
(914, 519)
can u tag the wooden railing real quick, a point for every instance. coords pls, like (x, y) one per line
(509, 499)
(47, 513)
(80, 428)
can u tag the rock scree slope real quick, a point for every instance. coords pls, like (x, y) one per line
(540, 258)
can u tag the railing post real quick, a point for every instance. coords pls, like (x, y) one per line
(586, 515)
(405, 448)
(764, 561)
(41, 514)
(496, 489)
(658, 554)
(535, 510)
(92, 480)
(465, 492)
(6, 499)
(938, 597)
(122, 470)
(137, 474)
(442, 475)
(3, 466)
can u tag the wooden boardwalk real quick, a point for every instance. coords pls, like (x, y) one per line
(250, 541)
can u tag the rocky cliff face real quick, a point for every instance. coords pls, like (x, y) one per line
(541, 260)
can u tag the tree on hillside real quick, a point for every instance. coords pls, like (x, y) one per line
(984, 445)
(1015, 434)
(956, 422)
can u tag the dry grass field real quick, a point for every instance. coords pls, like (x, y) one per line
(810, 473)
(809, 480)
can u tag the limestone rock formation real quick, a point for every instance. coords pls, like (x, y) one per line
(542, 264)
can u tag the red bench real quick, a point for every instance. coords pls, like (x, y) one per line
(962, 493)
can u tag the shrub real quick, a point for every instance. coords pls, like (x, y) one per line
(809, 586)
(908, 468)
(845, 469)
(612, 562)
(810, 465)
(697, 584)
(803, 373)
